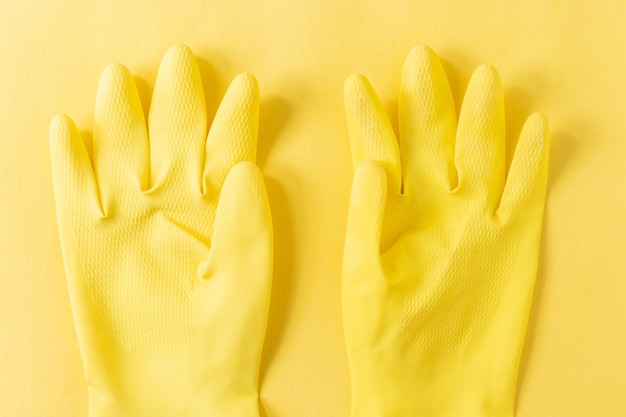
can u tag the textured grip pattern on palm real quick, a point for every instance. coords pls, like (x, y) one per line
(140, 256)
(448, 305)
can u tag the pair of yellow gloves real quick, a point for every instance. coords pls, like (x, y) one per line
(167, 244)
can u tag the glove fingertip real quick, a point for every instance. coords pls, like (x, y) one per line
(72, 173)
(67, 149)
(243, 219)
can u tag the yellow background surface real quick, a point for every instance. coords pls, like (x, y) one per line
(566, 59)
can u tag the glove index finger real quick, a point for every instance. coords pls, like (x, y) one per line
(526, 182)
(371, 134)
(233, 134)
(75, 188)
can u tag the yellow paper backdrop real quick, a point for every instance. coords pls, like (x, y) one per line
(564, 58)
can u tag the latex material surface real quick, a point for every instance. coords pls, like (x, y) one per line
(441, 246)
(564, 59)
(167, 244)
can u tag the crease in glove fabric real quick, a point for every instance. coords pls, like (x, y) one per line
(441, 246)
(167, 245)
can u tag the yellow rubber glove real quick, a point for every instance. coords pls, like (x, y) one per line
(167, 244)
(441, 246)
